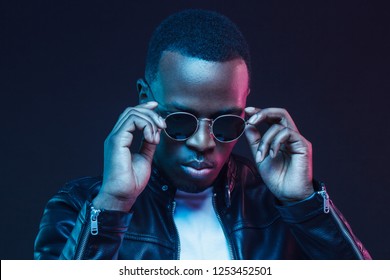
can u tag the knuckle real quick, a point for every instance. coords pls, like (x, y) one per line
(128, 109)
(262, 142)
(284, 113)
(132, 110)
(110, 140)
(276, 143)
(258, 141)
(280, 126)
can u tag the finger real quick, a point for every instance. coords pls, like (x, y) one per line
(147, 149)
(138, 122)
(159, 121)
(150, 116)
(146, 108)
(271, 116)
(253, 137)
(265, 143)
(251, 110)
(292, 140)
(148, 105)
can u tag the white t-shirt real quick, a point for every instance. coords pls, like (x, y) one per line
(200, 232)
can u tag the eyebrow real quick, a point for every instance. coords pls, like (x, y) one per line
(223, 111)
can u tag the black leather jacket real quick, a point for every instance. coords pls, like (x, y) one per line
(255, 225)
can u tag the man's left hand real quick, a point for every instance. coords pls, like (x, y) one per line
(282, 155)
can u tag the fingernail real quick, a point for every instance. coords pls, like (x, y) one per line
(258, 156)
(249, 108)
(253, 119)
(271, 153)
(161, 120)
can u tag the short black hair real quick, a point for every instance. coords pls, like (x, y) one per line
(197, 33)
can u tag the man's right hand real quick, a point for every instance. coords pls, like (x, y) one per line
(126, 174)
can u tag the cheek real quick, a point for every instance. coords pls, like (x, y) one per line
(222, 151)
(167, 149)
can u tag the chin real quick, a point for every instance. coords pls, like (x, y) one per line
(189, 179)
(192, 185)
(192, 188)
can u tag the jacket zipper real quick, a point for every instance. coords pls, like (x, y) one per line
(329, 209)
(325, 196)
(223, 228)
(94, 220)
(177, 232)
(92, 228)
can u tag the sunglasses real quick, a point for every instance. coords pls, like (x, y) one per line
(225, 128)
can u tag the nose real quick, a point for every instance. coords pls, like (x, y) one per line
(202, 140)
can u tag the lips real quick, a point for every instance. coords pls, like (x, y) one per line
(199, 165)
(203, 171)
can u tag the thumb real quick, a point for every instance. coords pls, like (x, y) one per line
(254, 138)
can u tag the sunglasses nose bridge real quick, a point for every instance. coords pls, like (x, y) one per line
(183, 128)
(210, 121)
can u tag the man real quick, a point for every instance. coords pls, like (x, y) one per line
(183, 195)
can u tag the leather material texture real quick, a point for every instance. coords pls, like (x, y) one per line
(256, 226)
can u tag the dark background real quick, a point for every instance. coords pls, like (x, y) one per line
(68, 69)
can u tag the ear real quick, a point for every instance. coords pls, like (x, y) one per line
(143, 91)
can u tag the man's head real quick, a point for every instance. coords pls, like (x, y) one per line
(196, 33)
(198, 62)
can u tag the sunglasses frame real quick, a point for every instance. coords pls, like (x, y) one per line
(211, 123)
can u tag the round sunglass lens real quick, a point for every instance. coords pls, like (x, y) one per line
(180, 126)
(228, 128)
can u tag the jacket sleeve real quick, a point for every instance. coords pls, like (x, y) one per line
(321, 230)
(65, 230)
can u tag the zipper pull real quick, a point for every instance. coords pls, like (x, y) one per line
(173, 207)
(325, 196)
(227, 196)
(94, 220)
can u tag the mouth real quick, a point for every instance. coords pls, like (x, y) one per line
(199, 165)
(198, 169)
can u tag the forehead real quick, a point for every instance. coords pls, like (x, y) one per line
(203, 86)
